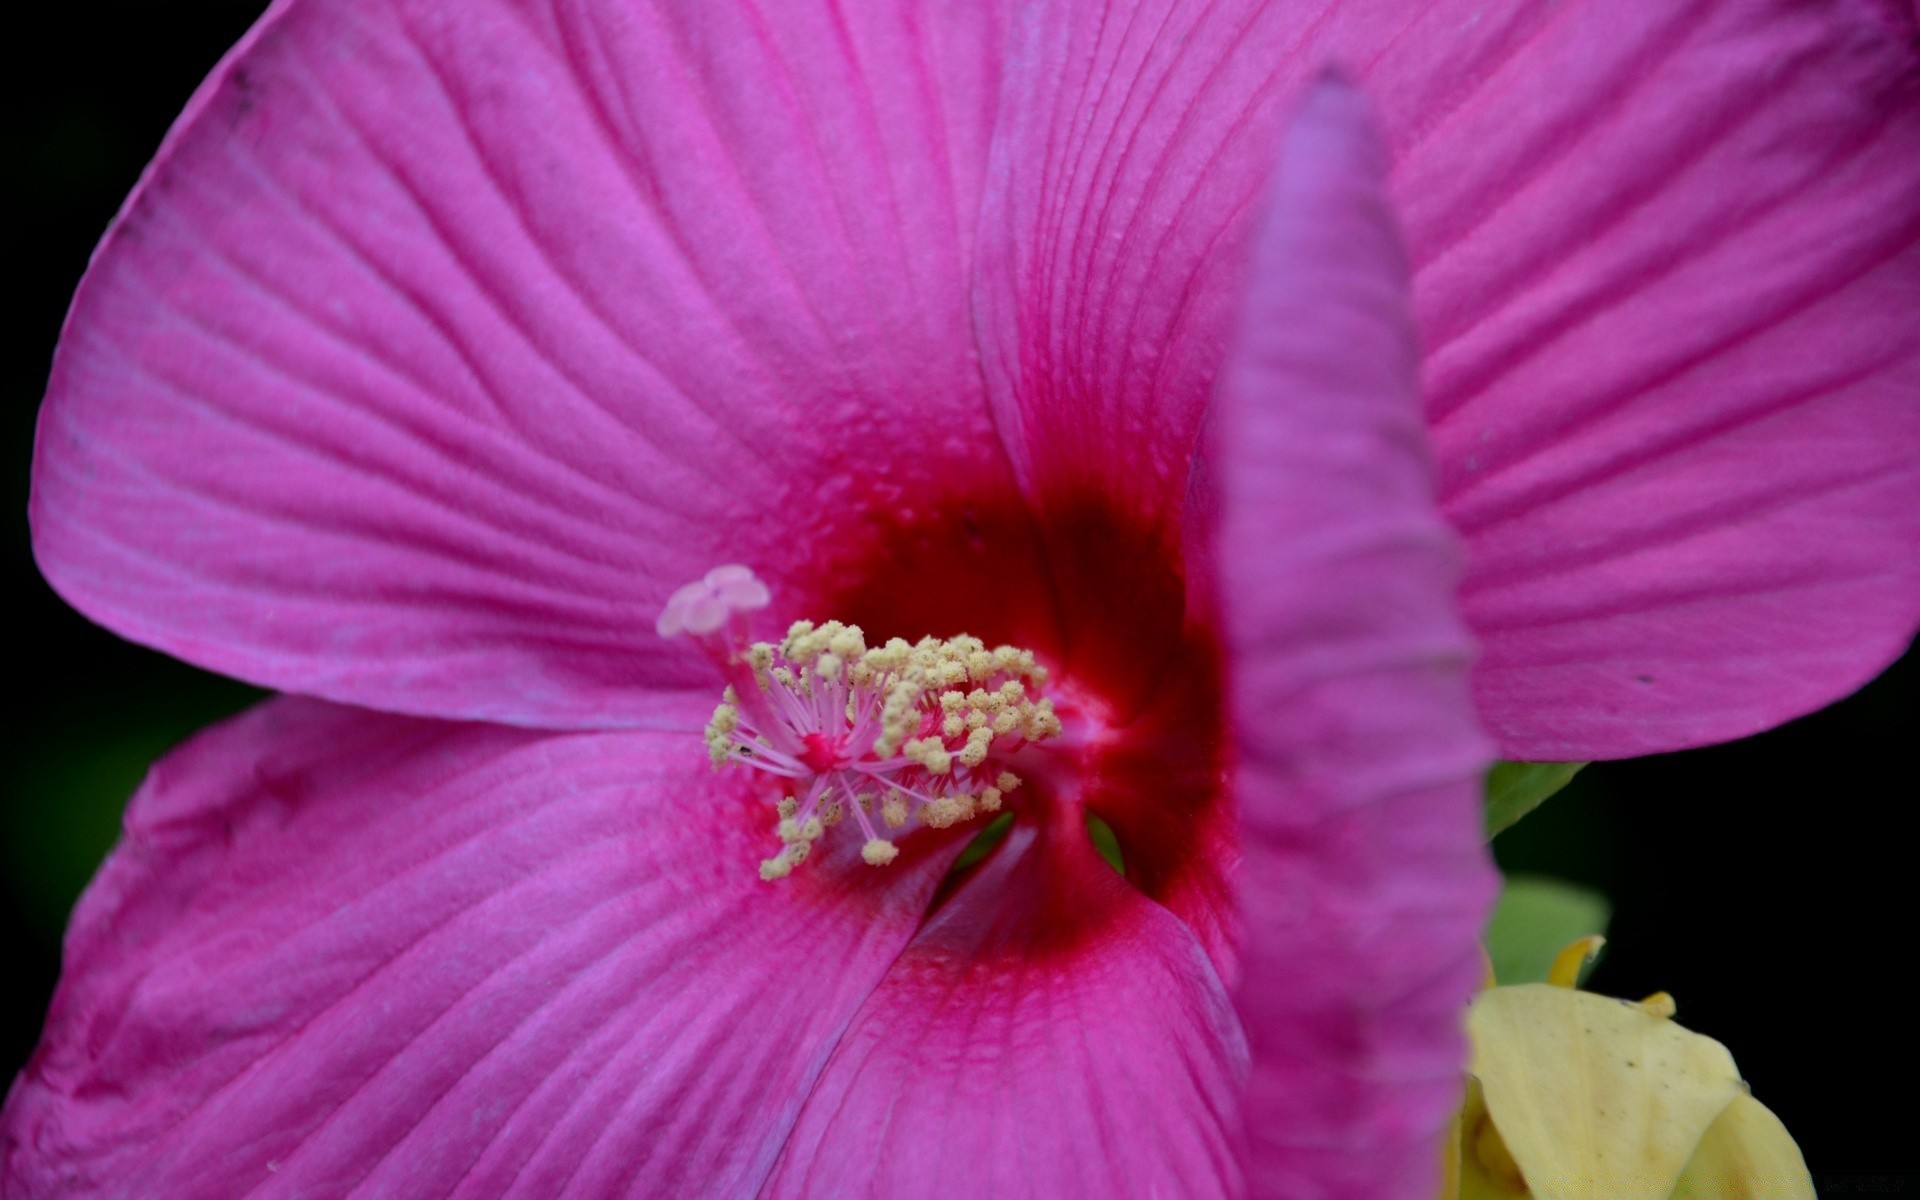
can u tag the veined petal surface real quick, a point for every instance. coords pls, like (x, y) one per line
(1365, 884)
(444, 340)
(1673, 364)
(1050, 1033)
(344, 953)
(1663, 261)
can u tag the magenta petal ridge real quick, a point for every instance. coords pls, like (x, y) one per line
(1364, 883)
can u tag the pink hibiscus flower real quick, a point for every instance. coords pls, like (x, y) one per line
(445, 341)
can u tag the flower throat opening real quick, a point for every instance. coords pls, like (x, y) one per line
(886, 736)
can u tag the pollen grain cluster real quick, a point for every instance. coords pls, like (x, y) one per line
(885, 735)
(888, 735)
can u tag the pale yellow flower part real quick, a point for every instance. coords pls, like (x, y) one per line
(1478, 1164)
(1747, 1155)
(1575, 1096)
(1596, 1099)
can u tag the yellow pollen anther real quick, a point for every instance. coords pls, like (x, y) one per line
(848, 643)
(930, 753)
(975, 751)
(881, 736)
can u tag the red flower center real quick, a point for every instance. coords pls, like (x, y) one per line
(1119, 610)
(1089, 669)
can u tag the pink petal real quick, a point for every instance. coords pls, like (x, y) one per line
(1673, 360)
(1664, 258)
(1051, 1033)
(1365, 883)
(444, 340)
(1126, 157)
(345, 952)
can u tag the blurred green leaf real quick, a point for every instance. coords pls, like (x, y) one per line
(983, 843)
(1515, 789)
(1536, 919)
(65, 813)
(60, 804)
(1106, 842)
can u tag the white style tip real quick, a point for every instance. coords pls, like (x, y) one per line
(704, 606)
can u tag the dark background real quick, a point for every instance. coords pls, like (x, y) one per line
(1766, 883)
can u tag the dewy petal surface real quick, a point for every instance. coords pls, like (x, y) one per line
(1663, 265)
(1050, 1033)
(1364, 885)
(348, 954)
(443, 340)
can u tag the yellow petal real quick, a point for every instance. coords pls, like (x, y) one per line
(1479, 1166)
(1596, 1099)
(1746, 1155)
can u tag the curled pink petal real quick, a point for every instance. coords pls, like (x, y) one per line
(1364, 885)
